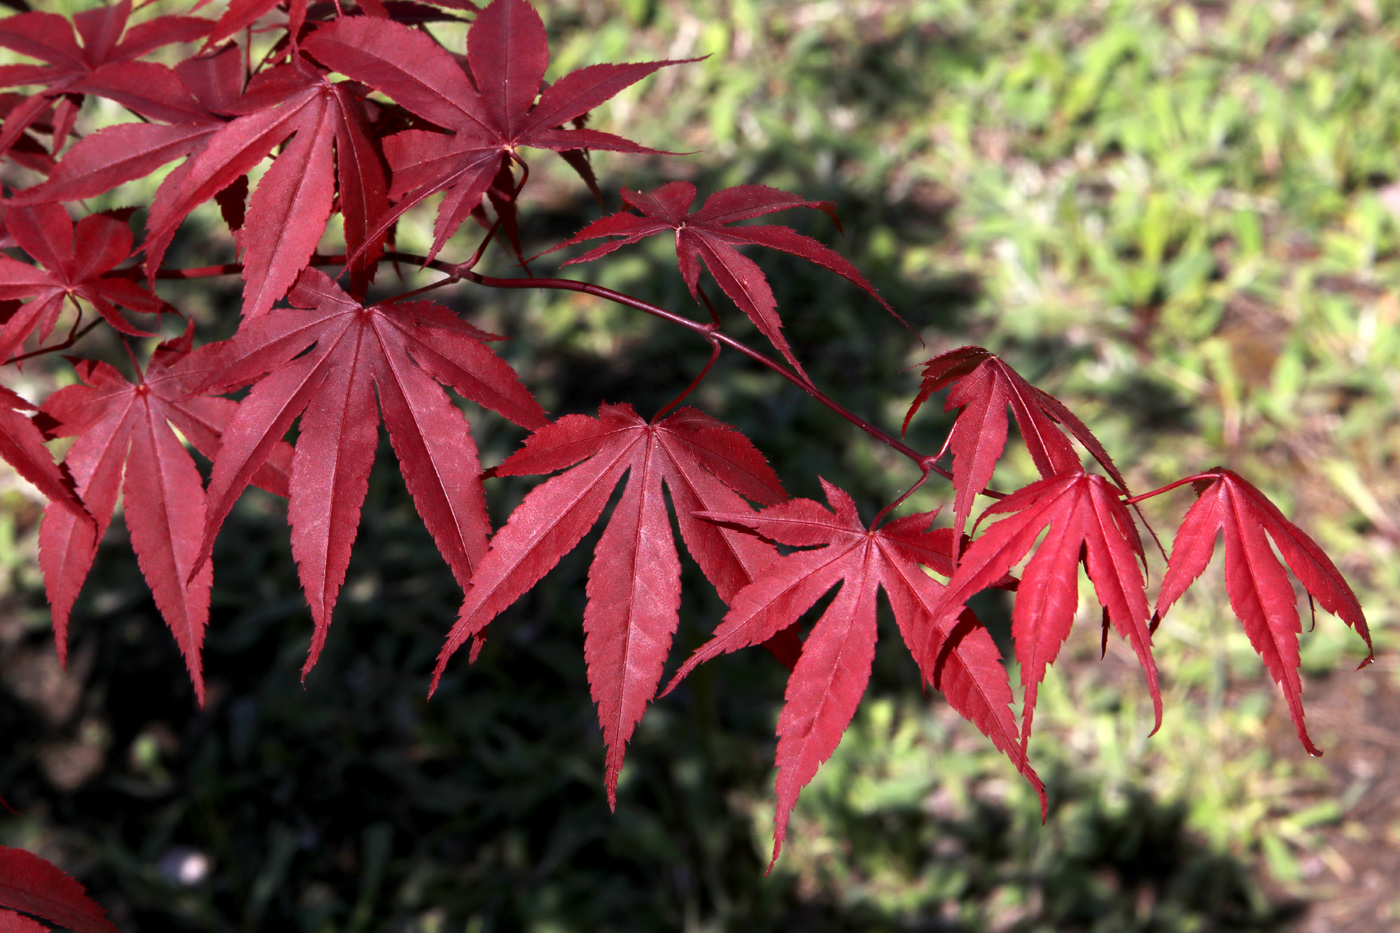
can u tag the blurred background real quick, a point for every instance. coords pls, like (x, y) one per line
(1178, 217)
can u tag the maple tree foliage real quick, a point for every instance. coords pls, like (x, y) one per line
(356, 111)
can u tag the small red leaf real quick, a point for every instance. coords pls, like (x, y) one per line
(704, 234)
(1257, 584)
(983, 386)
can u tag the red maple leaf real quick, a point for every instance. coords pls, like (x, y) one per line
(26, 149)
(983, 386)
(125, 443)
(105, 43)
(955, 654)
(22, 447)
(490, 113)
(634, 584)
(706, 234)
(401, 352)
(189, 100)
(1260, 593)
(39, 887)
(77, 262)
(1087, 522)
(287, 213)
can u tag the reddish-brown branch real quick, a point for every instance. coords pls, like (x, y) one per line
(709, 332)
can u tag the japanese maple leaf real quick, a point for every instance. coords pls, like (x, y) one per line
(1257, 583)
(634, 582)
(22, 447)
(1084, 520)
(74, 262)
(26, 150)
(54, 40)
(189, 100)
(489, 114)
(125, 442)
(956, 654)
(401, 352)
(706, 234)
(983, 386)
(39, 887)
(287, 213)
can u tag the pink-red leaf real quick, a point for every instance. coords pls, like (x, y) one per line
(831, 674)
(1083, 518)
(983, 385)
(1257, 584)
(288, 210)
(123, 430)
(634, 583)
(399, 351)
(22, 447)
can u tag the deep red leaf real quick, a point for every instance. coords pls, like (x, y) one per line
(489, 114)
(983, 385)
(703, 234)
(53, 39)
(401, 351)
(831, 674)
(77, 262)
(126, 151)
(1084, 519)
(1260, 593)
(634, 582)
(11, 922)
(37, 886)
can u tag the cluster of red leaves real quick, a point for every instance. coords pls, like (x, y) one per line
(364, 114)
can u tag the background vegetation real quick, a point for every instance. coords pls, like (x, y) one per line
(1180, 218)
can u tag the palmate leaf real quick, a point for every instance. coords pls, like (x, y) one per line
(402, 353)
(706, 235)
(287, 213)
(85, 50)
(501, 106)
(983, 385)
(956, 655)
(125, 443)
(634, 583)
(1258, 586)
(1084, 520)
(189, 101)
(77, 261)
